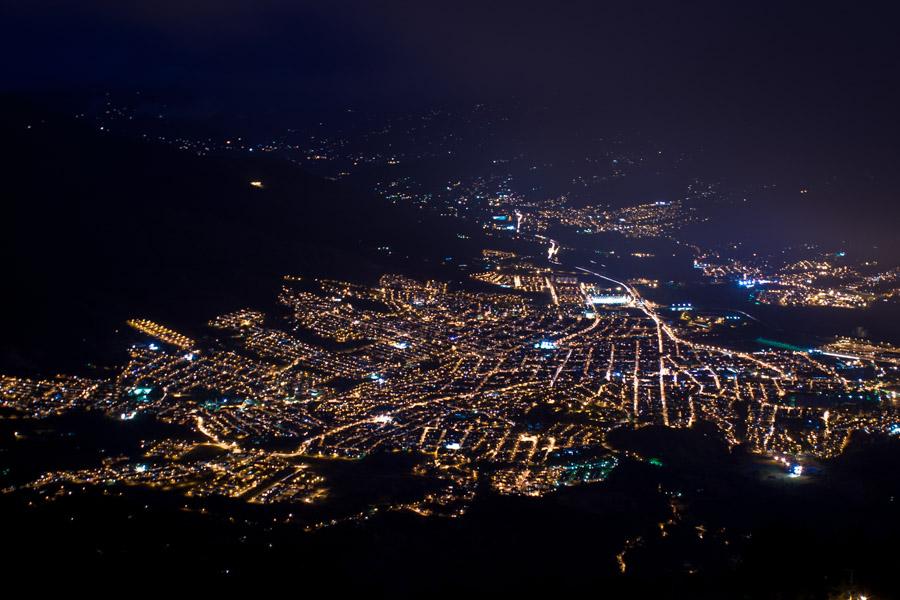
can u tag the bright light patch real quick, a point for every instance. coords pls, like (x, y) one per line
(682, 307)
(610, 299)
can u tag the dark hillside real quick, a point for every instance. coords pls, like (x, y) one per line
(99, 228)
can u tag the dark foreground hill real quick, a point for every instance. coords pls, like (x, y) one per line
(99, 228)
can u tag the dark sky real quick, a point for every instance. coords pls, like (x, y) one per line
(805, 74)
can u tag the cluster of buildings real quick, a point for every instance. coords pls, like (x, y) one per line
(521, 385)
(823, 281)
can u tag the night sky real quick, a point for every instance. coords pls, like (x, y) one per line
(750, 61)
